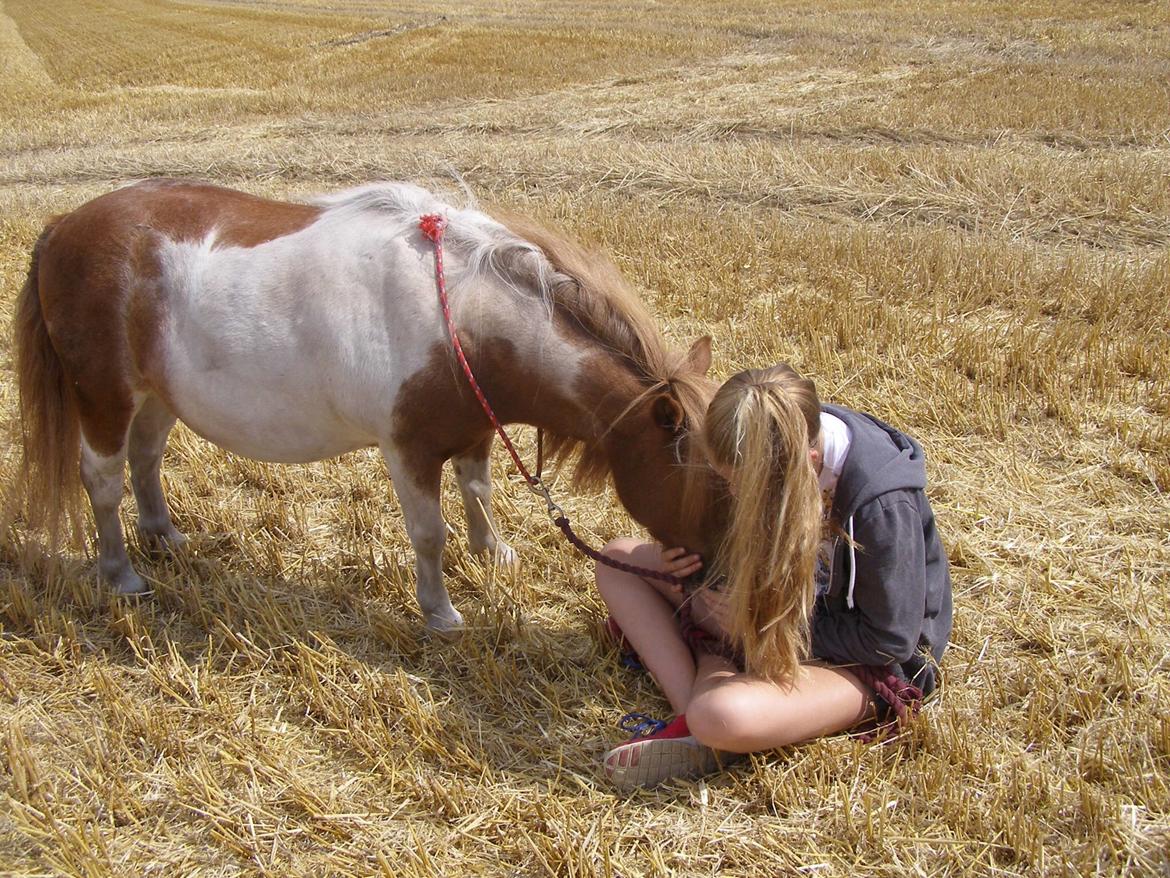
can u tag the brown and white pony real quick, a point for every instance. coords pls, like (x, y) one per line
(293, 332)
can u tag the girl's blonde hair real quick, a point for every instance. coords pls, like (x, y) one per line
(761, 425)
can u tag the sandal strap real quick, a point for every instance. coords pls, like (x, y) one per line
(641, 724)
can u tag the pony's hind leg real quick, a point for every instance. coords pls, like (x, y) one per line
(473, 473)
(103, 477)
(416, 482)
(148, 439)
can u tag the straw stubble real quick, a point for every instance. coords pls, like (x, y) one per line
(953, 216)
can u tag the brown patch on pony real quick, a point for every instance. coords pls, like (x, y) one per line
(102, 264)
(437, 416)
(145, 317)
(89, 317)
(83, 273)
(183, 210)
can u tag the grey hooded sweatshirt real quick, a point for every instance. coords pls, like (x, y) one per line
(889, 597)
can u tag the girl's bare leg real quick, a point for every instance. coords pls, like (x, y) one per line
(726, 709)
(739, 713)
(645, 612)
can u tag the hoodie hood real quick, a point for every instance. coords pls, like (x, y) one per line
(881, 459)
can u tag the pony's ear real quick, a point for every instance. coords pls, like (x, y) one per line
(699, 356)
(668, 413)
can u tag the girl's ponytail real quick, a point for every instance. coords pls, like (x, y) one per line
(761, 426)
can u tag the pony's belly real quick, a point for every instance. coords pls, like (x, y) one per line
(284, 449)
(295, 432)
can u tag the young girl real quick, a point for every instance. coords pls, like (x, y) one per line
(831, 602)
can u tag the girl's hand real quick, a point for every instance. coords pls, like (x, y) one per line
(678, 562)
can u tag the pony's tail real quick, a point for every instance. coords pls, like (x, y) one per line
(50, 428)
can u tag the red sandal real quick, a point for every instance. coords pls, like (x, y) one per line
(658, 752)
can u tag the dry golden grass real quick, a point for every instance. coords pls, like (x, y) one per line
(952, 214)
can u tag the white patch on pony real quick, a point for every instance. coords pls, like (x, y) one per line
(295, 349)
(482, 242)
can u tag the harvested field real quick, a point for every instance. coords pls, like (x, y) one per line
(955, 215)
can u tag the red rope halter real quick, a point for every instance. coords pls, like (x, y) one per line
(433, 226)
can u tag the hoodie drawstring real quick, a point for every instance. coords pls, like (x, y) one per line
(852, 564)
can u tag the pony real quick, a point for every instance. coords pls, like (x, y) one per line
(292, 332)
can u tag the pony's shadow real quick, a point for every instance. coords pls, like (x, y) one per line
(348, 655)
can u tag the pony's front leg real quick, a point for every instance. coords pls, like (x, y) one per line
(416, 482)
(473, 473)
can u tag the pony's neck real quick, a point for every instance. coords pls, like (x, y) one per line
(595, 404)
(610, 414)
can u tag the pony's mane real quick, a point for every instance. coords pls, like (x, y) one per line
(581, 285)
(486, 245)
(393, 198)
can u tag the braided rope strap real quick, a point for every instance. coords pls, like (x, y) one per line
(696, 638)
(562, 521)
(433, 225)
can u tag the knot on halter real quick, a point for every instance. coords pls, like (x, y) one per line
(432, 225)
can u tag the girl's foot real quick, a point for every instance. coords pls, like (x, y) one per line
(658, 752)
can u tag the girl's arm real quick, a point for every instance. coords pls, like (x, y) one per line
(889, 590)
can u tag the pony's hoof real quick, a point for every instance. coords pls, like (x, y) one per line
(505, 556)
(446, 626)
(130, 584)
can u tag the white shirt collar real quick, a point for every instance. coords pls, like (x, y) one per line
(835, 439)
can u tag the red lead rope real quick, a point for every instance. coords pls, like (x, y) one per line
(432, 226)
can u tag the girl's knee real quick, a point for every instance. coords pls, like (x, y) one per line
(622, 547)
(725, 718)
(625, 549)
